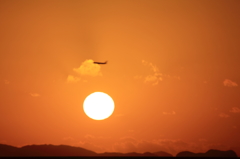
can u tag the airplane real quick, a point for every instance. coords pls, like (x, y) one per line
(100, 62)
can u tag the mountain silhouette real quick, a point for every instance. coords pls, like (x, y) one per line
(6, 150)
(209, 153)
(163, 154)
(64, 150)
(44, 150)
(159, 154)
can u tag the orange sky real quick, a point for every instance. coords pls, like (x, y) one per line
(173, 73)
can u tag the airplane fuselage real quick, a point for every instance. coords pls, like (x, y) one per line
(100, 62)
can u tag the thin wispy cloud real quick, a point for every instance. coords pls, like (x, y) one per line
(153, 67)
(229, 83)
(91, 146)
(34, 94)
(152, 79)
(235, 110)
(72, 79)
(155, 75)
(172, 146)
(223, 115)
(89, 68)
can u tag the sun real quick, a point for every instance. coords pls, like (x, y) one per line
(98, 106)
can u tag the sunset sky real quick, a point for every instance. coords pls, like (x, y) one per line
(173, 72)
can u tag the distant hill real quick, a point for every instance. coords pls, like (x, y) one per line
(6, 150)
(44, 150)
(157, 154)
(64, 150)
(163, 154)
(209, 153)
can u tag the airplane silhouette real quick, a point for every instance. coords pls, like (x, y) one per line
(100, 62)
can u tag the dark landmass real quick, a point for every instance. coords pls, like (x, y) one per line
(157, 154)
(209, 153)
(64, 150)
(44, 150)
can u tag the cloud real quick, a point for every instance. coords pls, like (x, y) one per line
(153, 67)
(235, 110)
(130, 144)
(90, 146)
(223, 115)
(95, 143)
(89, 68)
(229, 83)
(218, 146)
(153, 78)
(169, 113)
(172, 146)
(72, 79)
(34, 94)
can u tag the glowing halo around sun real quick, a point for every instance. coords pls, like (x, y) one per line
(98, 106)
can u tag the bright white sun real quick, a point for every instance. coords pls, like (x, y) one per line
(98, 106)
